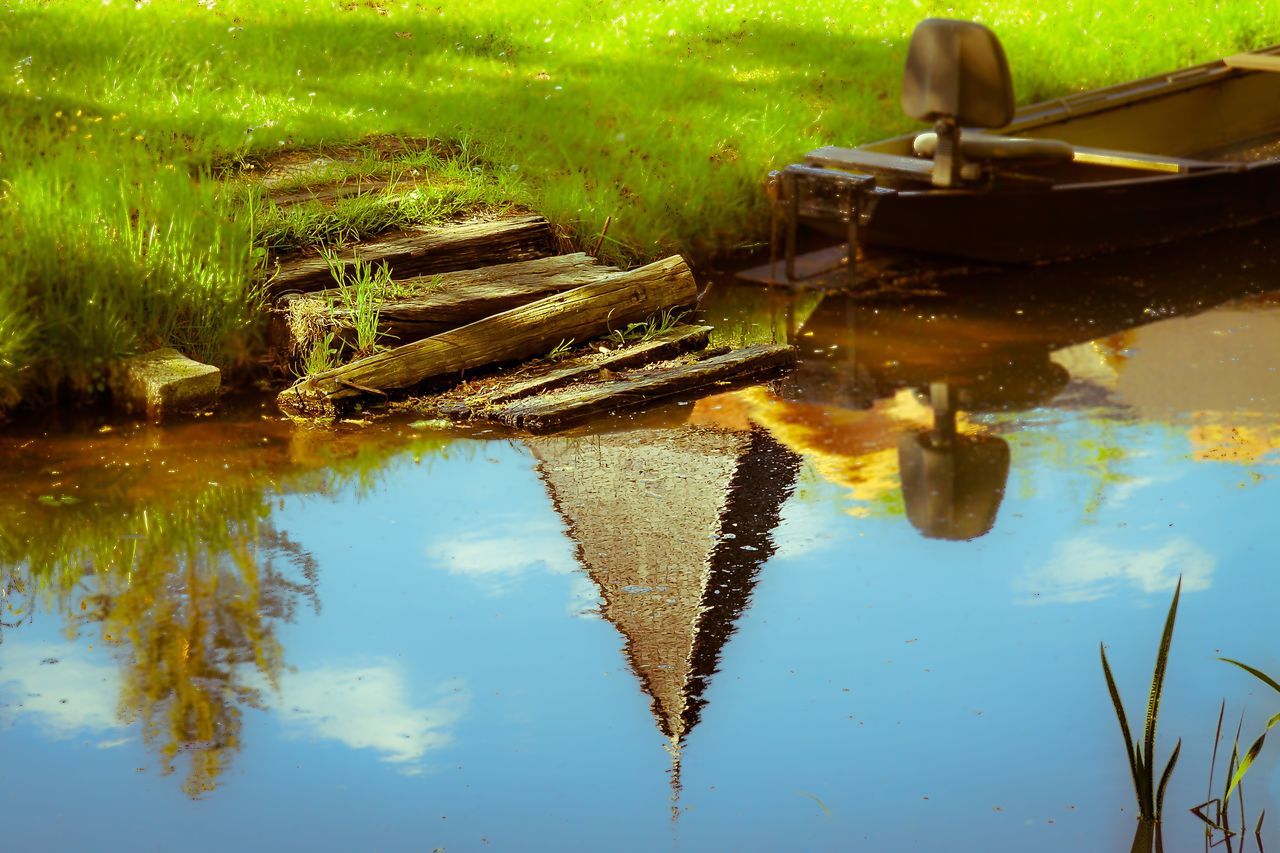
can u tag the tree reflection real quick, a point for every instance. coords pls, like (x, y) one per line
(190, 598)
(184, 577)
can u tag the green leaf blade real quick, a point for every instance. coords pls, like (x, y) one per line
(1256, 673)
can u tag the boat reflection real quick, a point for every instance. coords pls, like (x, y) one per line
(859, 406)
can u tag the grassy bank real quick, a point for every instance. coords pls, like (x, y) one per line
(662, 115)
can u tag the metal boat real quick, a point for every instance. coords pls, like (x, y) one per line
(1147, 161)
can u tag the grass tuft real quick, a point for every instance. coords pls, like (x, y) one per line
(361, 288)
(647, 330)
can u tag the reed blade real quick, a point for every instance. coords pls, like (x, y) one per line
(1245, 763)
(1157, 678)
(1231, 771)
(1217, 739)
(1124, 724)
(1164, 777)
(1256, 673)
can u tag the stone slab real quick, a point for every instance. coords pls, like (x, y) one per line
(164, 382)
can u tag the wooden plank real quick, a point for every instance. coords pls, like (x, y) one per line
(427, 250)
(1253, 62)
(580, 314)
(438, 303)
(667, 345)
(559, 409)
(860, 159)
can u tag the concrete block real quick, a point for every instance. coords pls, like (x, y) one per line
(164, 382)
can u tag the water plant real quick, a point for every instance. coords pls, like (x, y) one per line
(1237, 768)
(1141, 754)
(1247, 761)
(1215, 812)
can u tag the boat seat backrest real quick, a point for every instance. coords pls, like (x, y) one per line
(986, 148)
(957, 70)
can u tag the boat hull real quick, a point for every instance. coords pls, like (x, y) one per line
(1071, 221)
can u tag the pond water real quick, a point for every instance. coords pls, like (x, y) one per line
(802, 616)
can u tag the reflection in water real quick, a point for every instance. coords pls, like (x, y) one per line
(1100, 335)
(187, 591)
(672, 526)
(167, 547)
(185, 578)
(63, 694)
(952, 484)
(1086, 569)
(503, 551)
(367, 707)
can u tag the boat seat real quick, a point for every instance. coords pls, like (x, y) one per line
(987, 148)
(956, 76)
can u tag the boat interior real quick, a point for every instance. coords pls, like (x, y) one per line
(1222, 115)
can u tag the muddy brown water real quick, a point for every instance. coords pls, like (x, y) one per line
(782, 617)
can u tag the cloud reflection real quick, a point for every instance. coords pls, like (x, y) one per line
(1087, 570)
(507, 550)
(807, 528)
(504, 551)
(63, 694)
(369, 708)
(366, 707)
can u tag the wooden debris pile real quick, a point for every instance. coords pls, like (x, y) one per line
(477, 297)
(422, 306)
(538, 400)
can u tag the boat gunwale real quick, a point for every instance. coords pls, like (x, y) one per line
(1144, 88)
(1047, 113)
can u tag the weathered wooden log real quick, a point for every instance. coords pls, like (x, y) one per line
(426, 250)
(667, 345)
(663, 346)
(579, 315)
(559, 409)
(435, 304)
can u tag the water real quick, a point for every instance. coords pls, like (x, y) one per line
(783, 618)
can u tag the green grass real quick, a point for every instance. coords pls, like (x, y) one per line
(361, 289)
(108, 252)
(413, 187)
(641, 333)
(662, 115)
